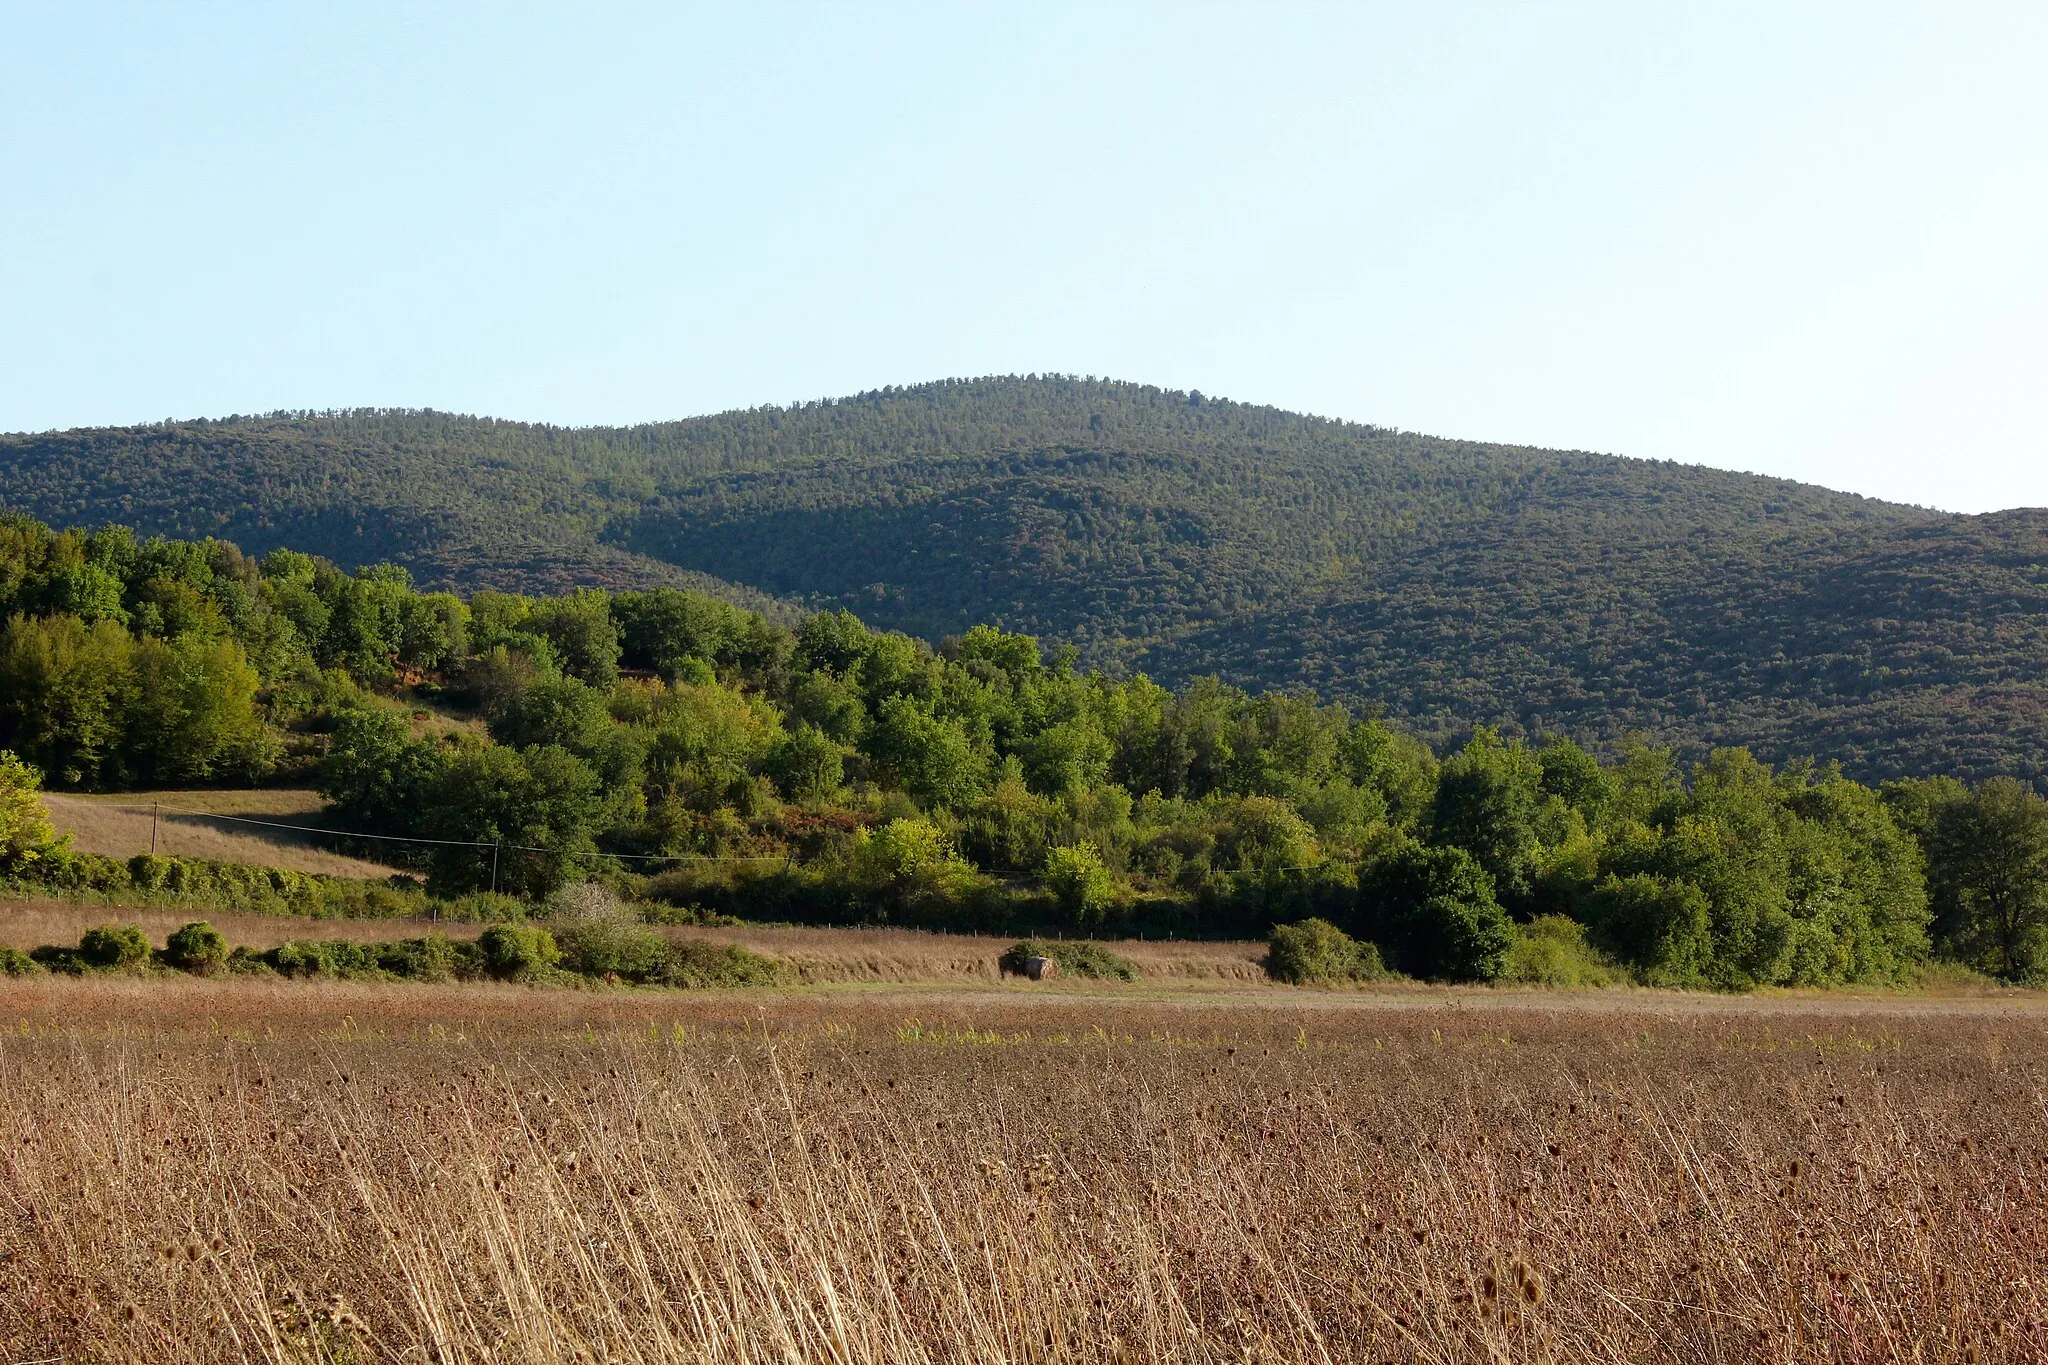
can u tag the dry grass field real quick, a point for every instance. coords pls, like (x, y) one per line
(119, 827)
(199, 1170)
(814, 956)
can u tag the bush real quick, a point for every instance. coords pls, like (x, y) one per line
(695, 964)
(599, 934)
(484, 907)
(1075, 959)
(611, 948)
(114, 947)
(322, 957)
(1551, 950)
(196, 947)
(518, 952)
(432, 958)
(14, 962)
(1316, 952)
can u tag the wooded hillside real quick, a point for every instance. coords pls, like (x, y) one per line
(1447, 582)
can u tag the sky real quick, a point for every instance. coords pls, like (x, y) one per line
(1802, 239)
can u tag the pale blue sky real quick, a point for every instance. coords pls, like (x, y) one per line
(1804, 239)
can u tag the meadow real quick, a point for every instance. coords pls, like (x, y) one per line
(123, 825)
(241, 1169)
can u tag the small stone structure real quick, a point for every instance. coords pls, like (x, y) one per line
(1041, 968)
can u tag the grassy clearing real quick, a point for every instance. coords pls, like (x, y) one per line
(202, 1171)
(119, 827)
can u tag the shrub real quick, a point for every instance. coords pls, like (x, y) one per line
(149, 872)
(14, 962)
(599, 934)
(1316, 952)
(114, 947)
(610, 948)
(431, 958)
(696, 964)
(196, 947)
(1075, 959)
(518, 952)
(322, 957)
(484, 907)
(1551, 950)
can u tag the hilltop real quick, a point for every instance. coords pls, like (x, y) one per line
(1442, 581)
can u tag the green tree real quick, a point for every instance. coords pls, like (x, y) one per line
(433, 630)
(1576, 778)
(1262, 834)
(836, 641)
(1071, 756)
(541, 805)
(807, 764)
(366, 619)
(65, 693)
(194, 715)
(1432, 910)
(1486, 803)
(1662, 928)
(377, 776)
(1084, 888)
(1989, 860)
(91, 592)
(933, 759)
(25, 831)
(585, 637)
(909, 862)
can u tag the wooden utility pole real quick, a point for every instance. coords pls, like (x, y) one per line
(155, 814)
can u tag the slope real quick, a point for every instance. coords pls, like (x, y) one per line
(1446, 581)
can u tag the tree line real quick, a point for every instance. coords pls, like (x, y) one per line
(1448, 582)
(844, 772)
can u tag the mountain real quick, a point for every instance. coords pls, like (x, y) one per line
(1447, 582)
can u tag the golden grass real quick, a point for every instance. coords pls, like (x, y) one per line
(119, 827)
(214, 1171)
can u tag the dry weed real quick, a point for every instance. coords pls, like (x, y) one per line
(236, 1172)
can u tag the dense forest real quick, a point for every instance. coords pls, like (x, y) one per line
(1439, 583)
(831, 772)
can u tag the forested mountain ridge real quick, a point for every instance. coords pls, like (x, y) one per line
(1445, 581)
